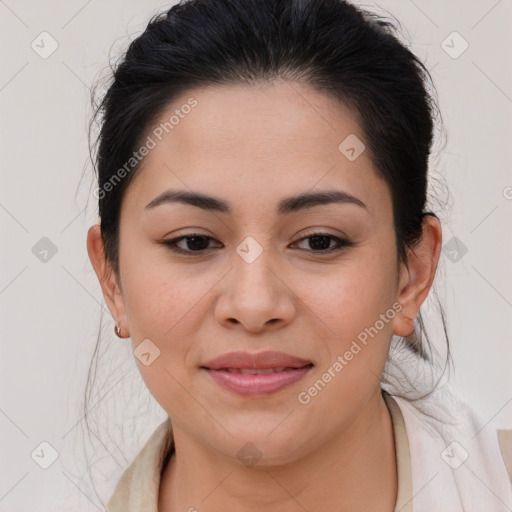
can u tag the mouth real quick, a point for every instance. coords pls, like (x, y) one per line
(268, 360)
(257, 382)
(258, 371)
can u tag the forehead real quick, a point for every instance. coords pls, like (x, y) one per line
(255, 144)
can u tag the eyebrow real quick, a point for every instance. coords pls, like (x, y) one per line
(285, 206)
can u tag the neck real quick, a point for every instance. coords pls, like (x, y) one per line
(355, 470)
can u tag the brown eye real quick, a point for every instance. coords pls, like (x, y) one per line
(321, 243)
(194, 243)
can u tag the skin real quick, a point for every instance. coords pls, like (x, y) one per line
(253, 146)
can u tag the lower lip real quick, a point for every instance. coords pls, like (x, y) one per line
(257, 385)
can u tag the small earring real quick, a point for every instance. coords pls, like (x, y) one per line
(117, 330)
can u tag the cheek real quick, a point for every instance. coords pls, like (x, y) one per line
(165, 303)
(352, 296)
(169, 311)
(353, 313)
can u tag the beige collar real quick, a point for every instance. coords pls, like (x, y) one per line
(138, 487)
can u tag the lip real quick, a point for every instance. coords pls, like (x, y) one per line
(256, 385)
(258, 360)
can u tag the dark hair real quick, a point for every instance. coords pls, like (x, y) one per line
(341, 50)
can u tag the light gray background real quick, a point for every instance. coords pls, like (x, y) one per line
(50, 311)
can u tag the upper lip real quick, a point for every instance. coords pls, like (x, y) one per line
(259, 360)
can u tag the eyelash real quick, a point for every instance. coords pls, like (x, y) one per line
(342, 243)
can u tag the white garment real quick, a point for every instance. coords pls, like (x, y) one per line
(456, 460)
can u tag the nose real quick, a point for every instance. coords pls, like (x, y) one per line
(256, 295)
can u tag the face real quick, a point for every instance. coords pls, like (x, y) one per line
(309, 279)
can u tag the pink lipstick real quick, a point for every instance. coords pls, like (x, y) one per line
(256, 375)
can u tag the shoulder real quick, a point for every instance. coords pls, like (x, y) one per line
(137, 488)
(505, 442)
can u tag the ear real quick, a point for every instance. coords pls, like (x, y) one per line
(417, 276)
(108, 280)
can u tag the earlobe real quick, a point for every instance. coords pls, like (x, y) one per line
(106, 276)
(418, 275)
(403, 324)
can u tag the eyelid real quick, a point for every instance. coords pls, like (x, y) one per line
(342, 241)
(171, 243)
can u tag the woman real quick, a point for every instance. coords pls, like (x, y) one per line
(266, 244)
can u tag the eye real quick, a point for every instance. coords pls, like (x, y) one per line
(320, 243)
(194, 242)
(198, 244)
